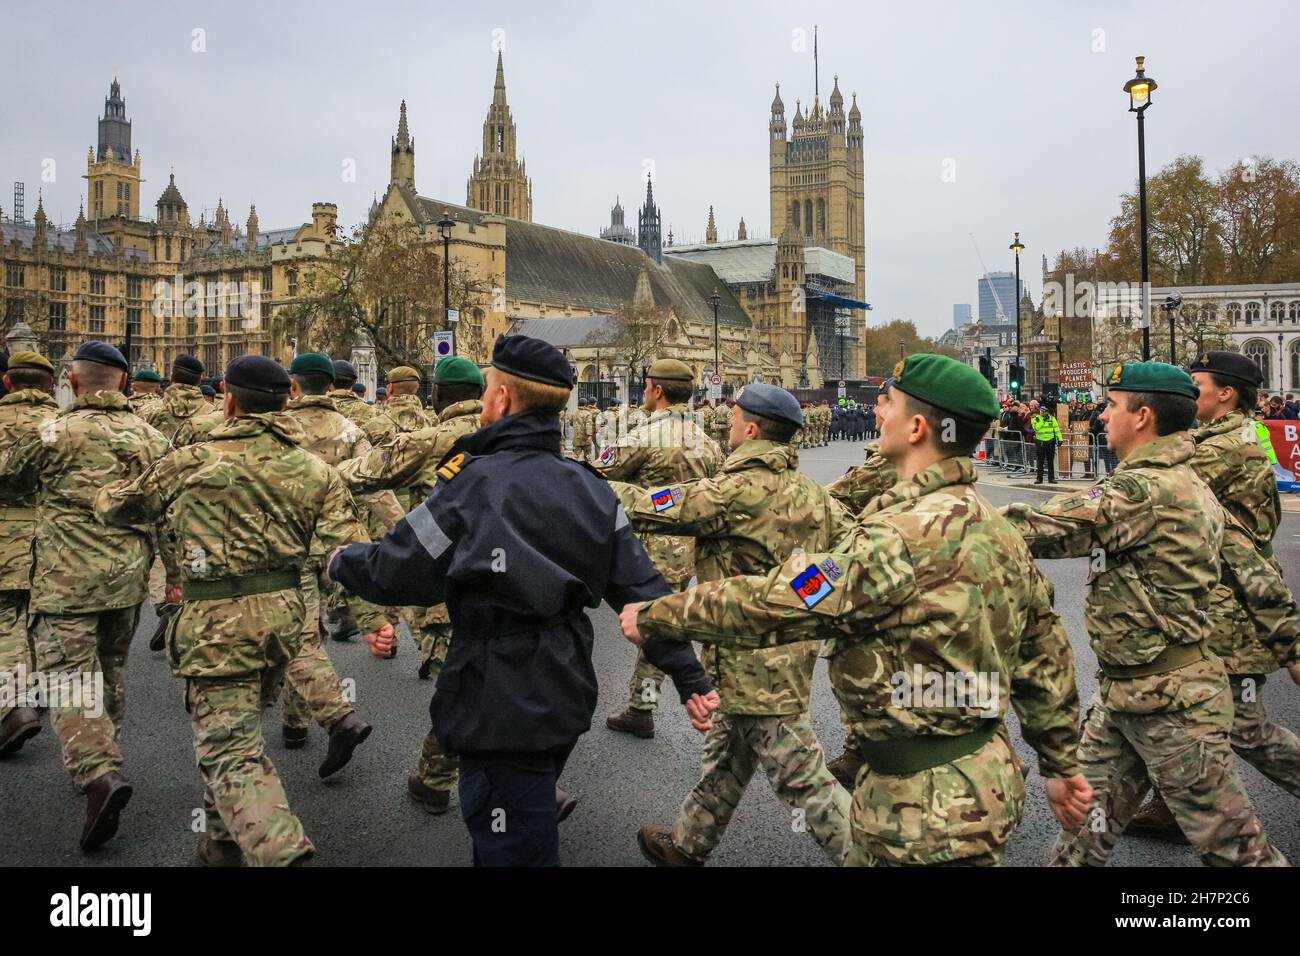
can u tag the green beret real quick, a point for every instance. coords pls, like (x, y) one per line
(403, 373)
(312, 363)
(1152, 377)
(148, 375)
(947, 384)
(671, 370)
(455, 370)
(30, 360)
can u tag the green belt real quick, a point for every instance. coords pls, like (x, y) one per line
(223, 588)
(15, 513)
(907, 755)
(1171, 658)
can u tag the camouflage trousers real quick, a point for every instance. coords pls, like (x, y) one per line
(15, 643)
(1272, 750)
(644, 687)
(244, 801)
(312, 689)
(960, 813)
(787, 750)
(437, 770)
(157, 583)
(1186, 753)
(87, 645)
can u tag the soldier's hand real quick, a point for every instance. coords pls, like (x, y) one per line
(699, 707)
(381, 641)
(1294, 671)
(1069, 798)
(173, 594)
(627, 621)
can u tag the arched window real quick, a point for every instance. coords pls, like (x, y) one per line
(1261, 353)
(821, 217)
(808, 217)
(1276, 311)
(794, 214)
(1295, 364)
(1234, 313)
(505, 200)
(1293, 310)
(1252, 313)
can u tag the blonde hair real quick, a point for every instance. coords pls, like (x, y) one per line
(527, 395)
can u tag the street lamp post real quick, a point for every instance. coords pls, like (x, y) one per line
(1172, 303)
(714, 301)
(1281, 366)
(1139, 91)
(445, 226)
(1017, 247)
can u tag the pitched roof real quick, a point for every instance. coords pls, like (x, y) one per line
(566, 332)
(65, 239)
(754, 260)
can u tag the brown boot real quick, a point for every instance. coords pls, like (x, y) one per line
(345, 735)
(1155, 822)
(434, 801)
(19, 726)
(845, 767)
(165, 613)
(219, 852)
(657, 846)
(105, 798)
(638, 723)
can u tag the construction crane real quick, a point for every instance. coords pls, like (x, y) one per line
(997, 299)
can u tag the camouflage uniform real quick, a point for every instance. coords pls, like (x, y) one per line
(231, 650)
(584, 433)
(21, 412)
(139, 402)
(197, 428)
(670, 447)
(930, 580)
(351, 405)
(401, 413)
(721, 427)
(87, 582)
(1163, 708)
(745, 520)
(411, 461)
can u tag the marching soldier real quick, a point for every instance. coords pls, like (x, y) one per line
(722, 426)
(87, 582)
(146, 388)
(346, 399)
(401, 411)
(242, 612)
(23, 414)
(1163, 711)
(670, 447)
(182, 400)
(931, 589)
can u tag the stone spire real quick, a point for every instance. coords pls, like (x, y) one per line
(711, 231)
(402, 169)
(741, 231)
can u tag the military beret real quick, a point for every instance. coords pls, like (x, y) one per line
(148, 375)
(1229, 365)
(1152, 377)
(259, 373)
(671, 370)
(30, 360)
(381, 391)
(188, 363)
(344, 371)
(312, 363)
(533, 359)
(403, 373)
(947, 384)
(455, 370)
(102, 353)
(359, 388)
(771, 401)
(208, 390)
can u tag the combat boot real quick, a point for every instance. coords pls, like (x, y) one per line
(159, 639)
(19, 726)
(433, 801)
(348, 627)
(295, 738)
(105, 798)
(219, 852)
(658, 847)
(425, 669)
(1155, 822)
(345, 735)
(564, 804)
(638, 723)
(845, 767)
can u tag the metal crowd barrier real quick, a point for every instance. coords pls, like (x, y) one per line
(1078, 458)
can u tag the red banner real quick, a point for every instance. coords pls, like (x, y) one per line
(1286, 443)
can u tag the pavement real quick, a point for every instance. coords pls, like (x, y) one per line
(363, 816)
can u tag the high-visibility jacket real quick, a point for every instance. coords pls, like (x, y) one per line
(1046, 428)
(1265, 441)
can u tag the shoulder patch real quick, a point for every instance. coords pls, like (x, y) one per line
(831, 568)
(450, 468)
(607, 456)
(1094, 491)
(665, 499)
(811, 586)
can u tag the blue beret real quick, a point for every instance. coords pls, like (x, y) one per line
(208, 390)
(103, 353)
(344, 370)
(771, 401)
(381, 391)
(258, 373)
(532, 359)
(188, 363)
(359, 388)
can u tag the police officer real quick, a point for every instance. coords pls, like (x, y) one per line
(518, 687)
(1047, 434)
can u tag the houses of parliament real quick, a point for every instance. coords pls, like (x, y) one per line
(787, 307)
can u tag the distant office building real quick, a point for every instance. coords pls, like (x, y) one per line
(960, 315)
(1004, 284)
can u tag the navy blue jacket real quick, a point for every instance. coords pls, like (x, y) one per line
(518, 542)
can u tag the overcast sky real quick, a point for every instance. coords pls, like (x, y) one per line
(1022, 101)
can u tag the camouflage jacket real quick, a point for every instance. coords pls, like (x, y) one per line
(177, 404)
(401, 413)
(81, 567)
(749, 517)
(22, 413)
(859, 485)
(1152, 531)
(931, 585)
(141, 401)
(248, 500)
(197, 428)
(669, 447)
(1229, 459)
(351, 405)
(327, 433)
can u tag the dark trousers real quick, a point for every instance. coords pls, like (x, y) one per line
(509, 808)
(1047, 453)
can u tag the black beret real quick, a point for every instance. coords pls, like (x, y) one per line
(1229, 365)
(189, 363)
(771, 401)
(208, 390)
(359, 388)
(344, 371)
(532, 359)
(103, 353)
(258, 373)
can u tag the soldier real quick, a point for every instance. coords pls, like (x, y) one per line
(583, 431)
(1229, 459)
(670, 447)
(517, 581)
(24, 411)
(411, 461)
(747, 518)
(1163, 709)
(721, 426)
(348, 401)
(87, 583)
(242, 612)
(146, 388)
(182, 400)
(934, 607)
(401, 412)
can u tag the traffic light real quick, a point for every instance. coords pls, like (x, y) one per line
(986, 369)
(1017, 379)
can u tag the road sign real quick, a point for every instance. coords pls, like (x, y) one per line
(444, 345)
(842, 389)
(453, 315)
(715, 387)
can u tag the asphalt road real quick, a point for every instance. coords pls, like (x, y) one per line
(363, 816)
